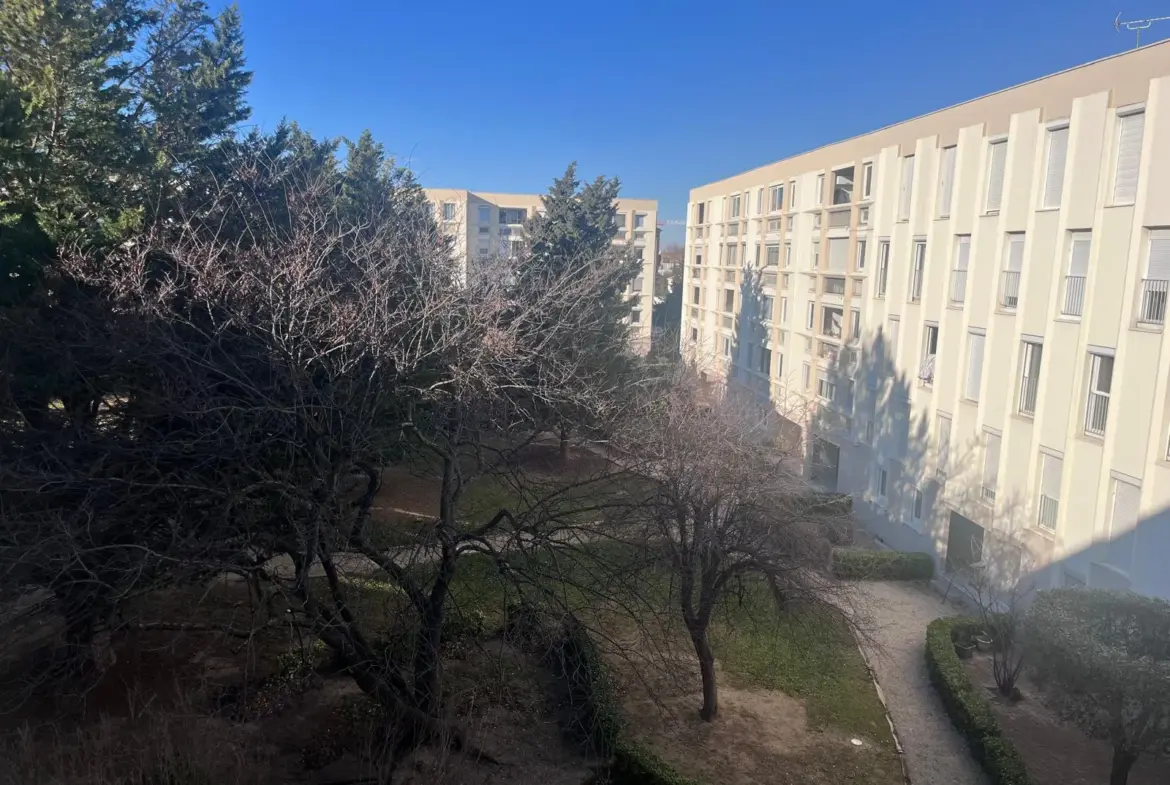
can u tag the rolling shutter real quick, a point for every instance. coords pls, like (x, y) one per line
(946, 181)
(991, 461)
(995, 175)
(1057, 156)
(974, 365)
(1129, 154)
(838, 254)
(907, 187)
(1158, 265)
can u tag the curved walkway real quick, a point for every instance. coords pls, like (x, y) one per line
(935, 753)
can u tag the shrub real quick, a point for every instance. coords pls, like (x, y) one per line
(633, 764)
(1106, 667)
(857, 564)
(968, 708)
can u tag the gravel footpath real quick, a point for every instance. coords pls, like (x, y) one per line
(935, 753)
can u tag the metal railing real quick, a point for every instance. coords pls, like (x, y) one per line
(1046, 512)
(988, 493)
(1096, 413)
(958, 286)
(1074, 295)
(926, 372)
(1153, 308)
(1028, 387)
(1009, 296)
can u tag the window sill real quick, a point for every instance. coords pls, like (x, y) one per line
(1030, 419)
(954, 306)
(969, 402)
(1089, 438)
(1143, 327)
(1121, 204)
(989, 213)
(1048, 209)
(1067, 319)
(1006, 311)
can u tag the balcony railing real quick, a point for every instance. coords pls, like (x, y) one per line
(988, 493)
(958, 286)
(835, 286)
(1074, 295)
(1046, 513)
(1153, 310)
(1028, 387)
(1096, 414)
(926, 372)
(1009, 296)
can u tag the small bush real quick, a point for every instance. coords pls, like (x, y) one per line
(866, 565)
(968, 708)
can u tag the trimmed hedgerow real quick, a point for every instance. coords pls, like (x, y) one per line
(968, 708)
(858, 564)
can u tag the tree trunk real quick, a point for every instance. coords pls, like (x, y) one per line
(564, 444)
(1123, 761)
(707, 671)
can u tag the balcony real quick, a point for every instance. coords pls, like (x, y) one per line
(1009, 294)
(1046, 513)
(1096, 414)
(1153, 306)
(958, 286)
(1074, 295)
(1028, 387)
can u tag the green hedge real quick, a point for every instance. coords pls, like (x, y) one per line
(966, 704)
(633, 764)
(859, 564)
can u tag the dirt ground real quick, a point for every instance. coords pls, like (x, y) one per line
(210, 700)
(1056, 753)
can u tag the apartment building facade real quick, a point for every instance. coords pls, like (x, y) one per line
(965, 316)
(485, 225)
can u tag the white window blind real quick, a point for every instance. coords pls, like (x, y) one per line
(962, 252)
(895, 327)
(1015, 260)
(812, 310)
(838, 254)
(995, 174)
(975, 343)
(1126, 498)
(946, 181)
(1078, 257)
(820, 189)
(1158, 264)
(990, 462)
(944, 444)
(1131, 129)
(907, 187)
(1057, 156)
(1050, 470)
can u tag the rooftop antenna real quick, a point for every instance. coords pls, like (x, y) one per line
(1136, 26)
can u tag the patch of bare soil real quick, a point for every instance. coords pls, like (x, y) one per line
(761, 737)
(1056, 752)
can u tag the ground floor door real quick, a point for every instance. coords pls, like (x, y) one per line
(964, 543)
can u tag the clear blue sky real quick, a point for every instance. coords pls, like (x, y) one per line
(665, 95)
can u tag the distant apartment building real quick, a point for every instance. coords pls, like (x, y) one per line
(965, 316)
(485, 225)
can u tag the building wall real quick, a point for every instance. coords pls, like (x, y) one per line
(472, 242)
(891, 420)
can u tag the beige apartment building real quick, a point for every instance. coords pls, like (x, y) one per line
(486, 225)
(965, 315)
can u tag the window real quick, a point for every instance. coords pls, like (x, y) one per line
(784, 310)
(639, 254)
(843, 186)
(637, 284)
(907, 187)
(1009, 295)
(990, 465)
(1154, 286)
(698, 256)
(1048, 505)
(696, 293)
(881, 483)
(1032, 354)
(806, 375)
(867, 180)
(448, 211)
(918, 271)
(1100, 385)
(735, 205)
(869, 431)
(728, 300)
(916, 509)
(1054, 174)
(775, 198)
(838, 254)
(944, 446)
(946, 181)
(484, 230)
(787, 255)
(854, 324)
(636, 316)
(820, 189)
(833, 286)
(700, 213)
(1130, 130)
(959, 274)
(790, 222)
(1122, 523)
(619, 220)
(893, 330)
(639, 220)
(826, 389)
(831, 321)
(1078, 268)
(860, 261)
(726, 346)
(816, 255)
(996, 167)
(975, 342)
(694, 335)
(765, 366)
(766, 305)
(811, 317)
(883, 267)
(772, 256)
(863, 216)
(759, 201)
(730, 255)
(929, 352)
(791, 199)
(513, 216)
(484, 214)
